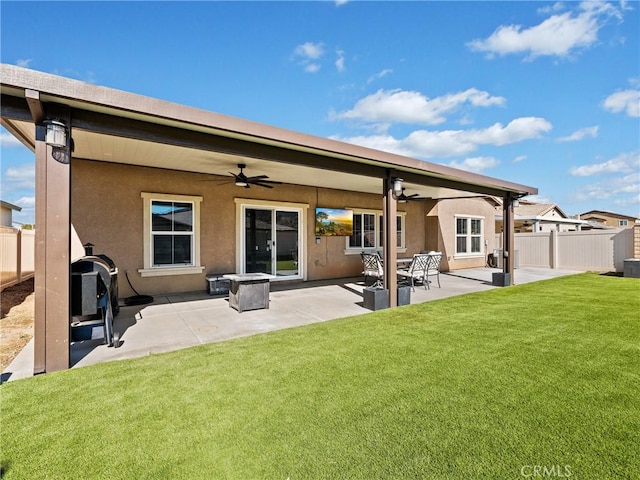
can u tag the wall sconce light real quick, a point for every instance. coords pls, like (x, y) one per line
(516, 203)
(397, 187)
(56, 135)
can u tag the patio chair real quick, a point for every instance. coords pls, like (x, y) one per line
(372, 267)
(416, 270)
(433, 267)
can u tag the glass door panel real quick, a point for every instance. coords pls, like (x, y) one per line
(258, 226)
(286, 243)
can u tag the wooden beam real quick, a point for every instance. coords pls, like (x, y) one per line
(138, 130)
(35, 105)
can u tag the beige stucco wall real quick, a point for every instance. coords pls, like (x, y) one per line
(441, 230)
(107, 210)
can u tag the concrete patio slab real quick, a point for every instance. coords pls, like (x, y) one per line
(173, 322)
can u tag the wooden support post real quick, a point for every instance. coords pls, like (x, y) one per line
(53, 241)
(390, 240)
(509, 237)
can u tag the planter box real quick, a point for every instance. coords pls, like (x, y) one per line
(501, 279)
(375, 298)
(632, 267)
(404, 295)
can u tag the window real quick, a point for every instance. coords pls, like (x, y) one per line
(171, 234)
(368, 231)
(469, 236)
(622, 223)
(364, 231)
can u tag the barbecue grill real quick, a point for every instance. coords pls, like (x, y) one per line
(94, 298)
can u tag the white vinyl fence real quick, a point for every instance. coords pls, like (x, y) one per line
(17, 254)
(594, 250)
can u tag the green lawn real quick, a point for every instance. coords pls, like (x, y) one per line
(488, 385)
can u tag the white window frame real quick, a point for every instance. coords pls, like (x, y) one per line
(468, 236)
(623, 223)
(151, 270)
(402, 247)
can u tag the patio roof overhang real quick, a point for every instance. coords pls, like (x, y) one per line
(110, 125)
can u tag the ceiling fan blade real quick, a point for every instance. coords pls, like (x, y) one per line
(257, 177)
(260, 184)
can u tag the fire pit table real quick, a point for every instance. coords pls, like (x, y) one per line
(248, 291)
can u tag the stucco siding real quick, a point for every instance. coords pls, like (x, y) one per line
(445, 238)
(107, 210)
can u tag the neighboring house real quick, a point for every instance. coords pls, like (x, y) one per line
(6, 213)
(539, 217)
(602, 219)
(156, 186)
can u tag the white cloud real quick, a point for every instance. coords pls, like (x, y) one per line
(340, 61)
(631, 201)
(26, 202)
(519, 159)
(623, 163)
(611, 188)
(308, 53)
(449, 143)
(537, 199)
(8, 140)
(20, 177)
(24, 62)
(625, 100)
(413, 107)
(475, 164)
(580, 134)
(559, 35)
(379, 75)
(310, 50)
(339, 3)
(556, 7)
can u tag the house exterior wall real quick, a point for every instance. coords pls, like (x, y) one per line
(6, 216)
(601, 218)
(440, 232)
(107, 210)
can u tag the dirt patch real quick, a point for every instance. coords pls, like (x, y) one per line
(16, 321)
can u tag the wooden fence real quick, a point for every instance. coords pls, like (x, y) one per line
(17, 256)
(594, 250)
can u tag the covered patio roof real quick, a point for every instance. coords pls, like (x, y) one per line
(115, 126)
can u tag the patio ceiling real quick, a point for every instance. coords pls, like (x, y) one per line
(115, 126)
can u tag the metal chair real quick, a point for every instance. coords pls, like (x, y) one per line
(433, 267)
(416, 270)
(372, 267)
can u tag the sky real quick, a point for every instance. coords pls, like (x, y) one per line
(545, 94)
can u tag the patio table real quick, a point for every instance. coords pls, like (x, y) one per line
(248, 291)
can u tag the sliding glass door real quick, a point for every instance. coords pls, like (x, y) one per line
(271, 241)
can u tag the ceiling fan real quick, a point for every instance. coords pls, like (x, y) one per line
(403, 198)
(241, 180)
